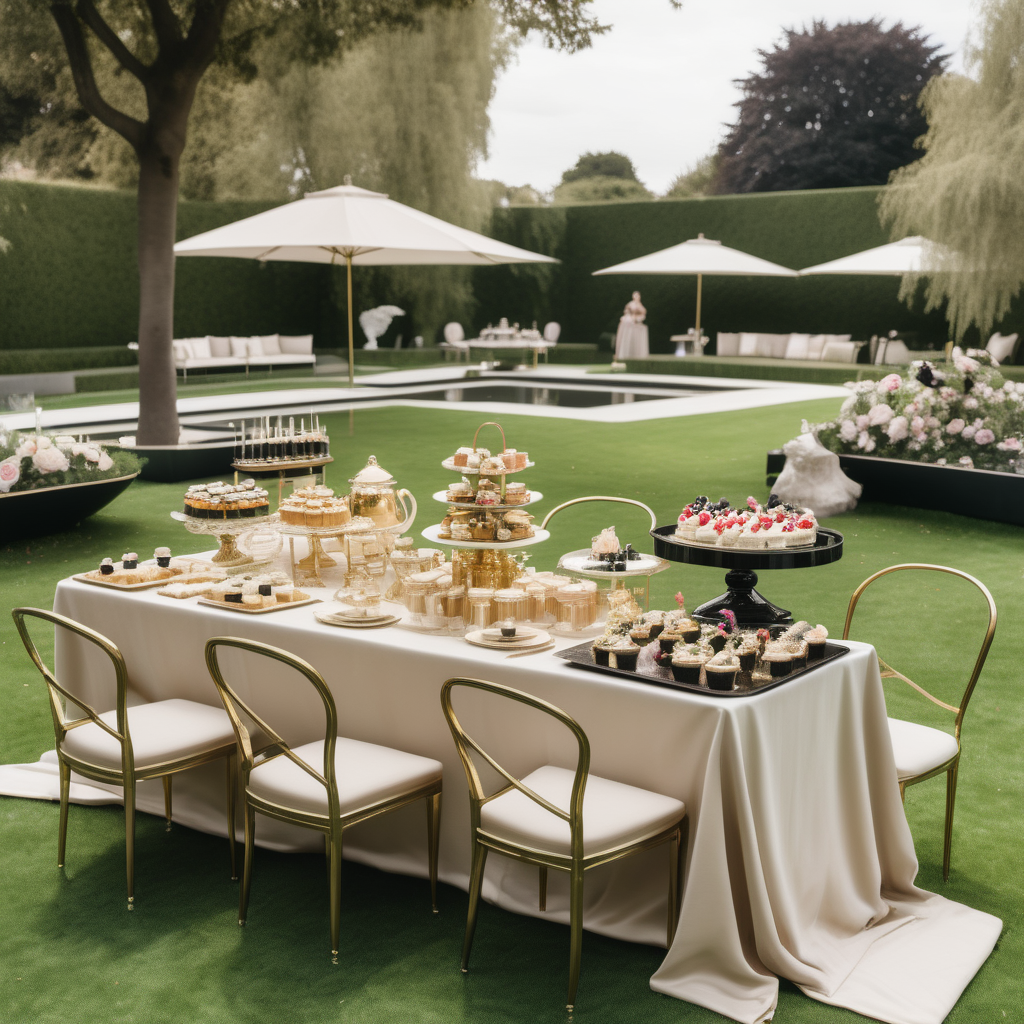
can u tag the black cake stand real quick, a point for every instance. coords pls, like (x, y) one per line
(749, 607)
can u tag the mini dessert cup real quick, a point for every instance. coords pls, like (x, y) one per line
(779, 663)
(690, 631)
(717, 641)
(107, 566)
(163, 557)
(130, 560)
(624, 655)
(720, 675)
(668, 639)
(686, 668)
(748, 659)
(600, 650)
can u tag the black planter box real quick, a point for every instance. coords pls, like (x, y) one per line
(54, 509)
(981, 493)
(169, 464)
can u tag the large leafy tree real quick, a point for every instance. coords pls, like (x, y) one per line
(136, 66)
(829, 108)
(966, 194)
(601, 178)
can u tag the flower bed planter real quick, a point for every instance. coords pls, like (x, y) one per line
(45, 510)
(998, 497)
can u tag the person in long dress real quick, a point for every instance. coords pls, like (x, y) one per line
(631, 337)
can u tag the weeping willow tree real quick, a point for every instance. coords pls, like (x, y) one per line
(966, 194)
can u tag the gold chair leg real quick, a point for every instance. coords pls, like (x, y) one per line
(903, 792)
(947, 842)
(62, 829)
(336, 844)
(250, 835)
(575, 932)
(167, 802)
(433, 843)
(129, 837)
(476, 880)
(232, 774)
(675, 863)
(542, 901)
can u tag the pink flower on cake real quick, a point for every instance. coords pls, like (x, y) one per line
(10, 473)
(880, 415)
(984, 436)
(892, 382)
(897, 429)
(50, 460)
(679, 600)
(955, 426)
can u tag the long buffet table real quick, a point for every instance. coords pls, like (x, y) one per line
(800, 862)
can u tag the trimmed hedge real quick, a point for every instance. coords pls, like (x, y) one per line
(61, 360)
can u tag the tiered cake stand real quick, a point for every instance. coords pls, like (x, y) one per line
(229, 533)
(308, 570)
(749, 607)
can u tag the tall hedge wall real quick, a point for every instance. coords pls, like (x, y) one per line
(68, 275)
(795, 229)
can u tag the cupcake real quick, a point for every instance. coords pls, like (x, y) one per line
(107, 566)
(130, 560)
(687, 661)
(163, 557)
(600, 650)
(641, 634)
(720, 672)
(668, 640)
(815, 640)
(623, 654)
(779, 662)
(690, 630)
(717, 640)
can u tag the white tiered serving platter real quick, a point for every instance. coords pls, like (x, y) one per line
(472, 506)
(431, 533)
(449, 464)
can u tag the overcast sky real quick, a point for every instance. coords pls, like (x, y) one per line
(659, 86)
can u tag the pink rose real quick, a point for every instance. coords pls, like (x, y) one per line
(968, 432)
(862, 422)
(848, 431)
(1011, 444)
(984, 436)
(880, 415)
(892, 382)
(954, 426)
(10, 473)
(50, 460)
(897, 429)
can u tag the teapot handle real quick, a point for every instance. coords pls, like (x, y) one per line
(408, 502)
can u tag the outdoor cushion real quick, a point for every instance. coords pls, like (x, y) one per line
(839, 352)
(255, 347)
(201, 348)
(296, 344)
(727, 344)
(281, 360)
(166, 730)
(240, 347)
(797, 346)
(613, 813)
(919, 748)
(366, 773)
(837, 337)
(219, 347)
(773, 346)
(749, 344)
(1001, 346)
(182, 350)
(815, 346)
(271, 344)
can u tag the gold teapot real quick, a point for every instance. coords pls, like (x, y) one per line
(374, 495)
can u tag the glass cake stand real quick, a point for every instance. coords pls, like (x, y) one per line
(229, 533)
(308, 570)
(749, 607)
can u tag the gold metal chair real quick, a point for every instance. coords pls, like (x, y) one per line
(922, 752)
(129, 745)
(525, 820)
(358, 780)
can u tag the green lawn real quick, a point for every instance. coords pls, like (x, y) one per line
(70, 951)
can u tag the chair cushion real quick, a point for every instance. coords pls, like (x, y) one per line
(815, 346)
(166, 730)
(748, 344)
(240, 347)
(772, 346)
(366, 773)
(296, 344)
(613, 813)
(919, 748)
(838, 351)
(796, 347)
(220, 348)
(727, 344)
(182, 350)
(1001, 346)
(271, 344)
(201, 348)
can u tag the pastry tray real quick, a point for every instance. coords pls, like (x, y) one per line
(281, 606)
(180, 577)
(582, 657)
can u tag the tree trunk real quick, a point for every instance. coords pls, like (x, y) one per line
(157, 212)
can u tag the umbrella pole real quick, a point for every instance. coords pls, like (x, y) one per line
(351, 344)
(700, 282)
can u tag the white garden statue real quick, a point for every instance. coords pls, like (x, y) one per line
(376, 321)
(812, 478)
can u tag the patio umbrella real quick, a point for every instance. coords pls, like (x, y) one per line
(699, 256)
(903, 257)
(360, 227)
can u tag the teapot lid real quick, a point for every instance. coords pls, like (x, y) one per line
(372, 474)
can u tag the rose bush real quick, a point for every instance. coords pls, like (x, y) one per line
(36, 461)
(961, 413)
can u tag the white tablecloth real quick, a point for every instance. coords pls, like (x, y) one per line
(801, 864)
(631, 340)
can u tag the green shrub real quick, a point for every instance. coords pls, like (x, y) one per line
(61, 360)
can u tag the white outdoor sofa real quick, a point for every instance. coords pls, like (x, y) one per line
(826, 348)
(264, 350)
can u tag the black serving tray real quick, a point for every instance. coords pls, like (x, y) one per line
(828, 547)
(582, 657)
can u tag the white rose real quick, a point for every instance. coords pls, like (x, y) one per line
(880, 415)
(42, 441)
(105, 462)
(50, 460)
(27, 447)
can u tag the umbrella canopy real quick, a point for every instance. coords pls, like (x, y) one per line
(903, 257)
(358, 226)
(699, 256)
